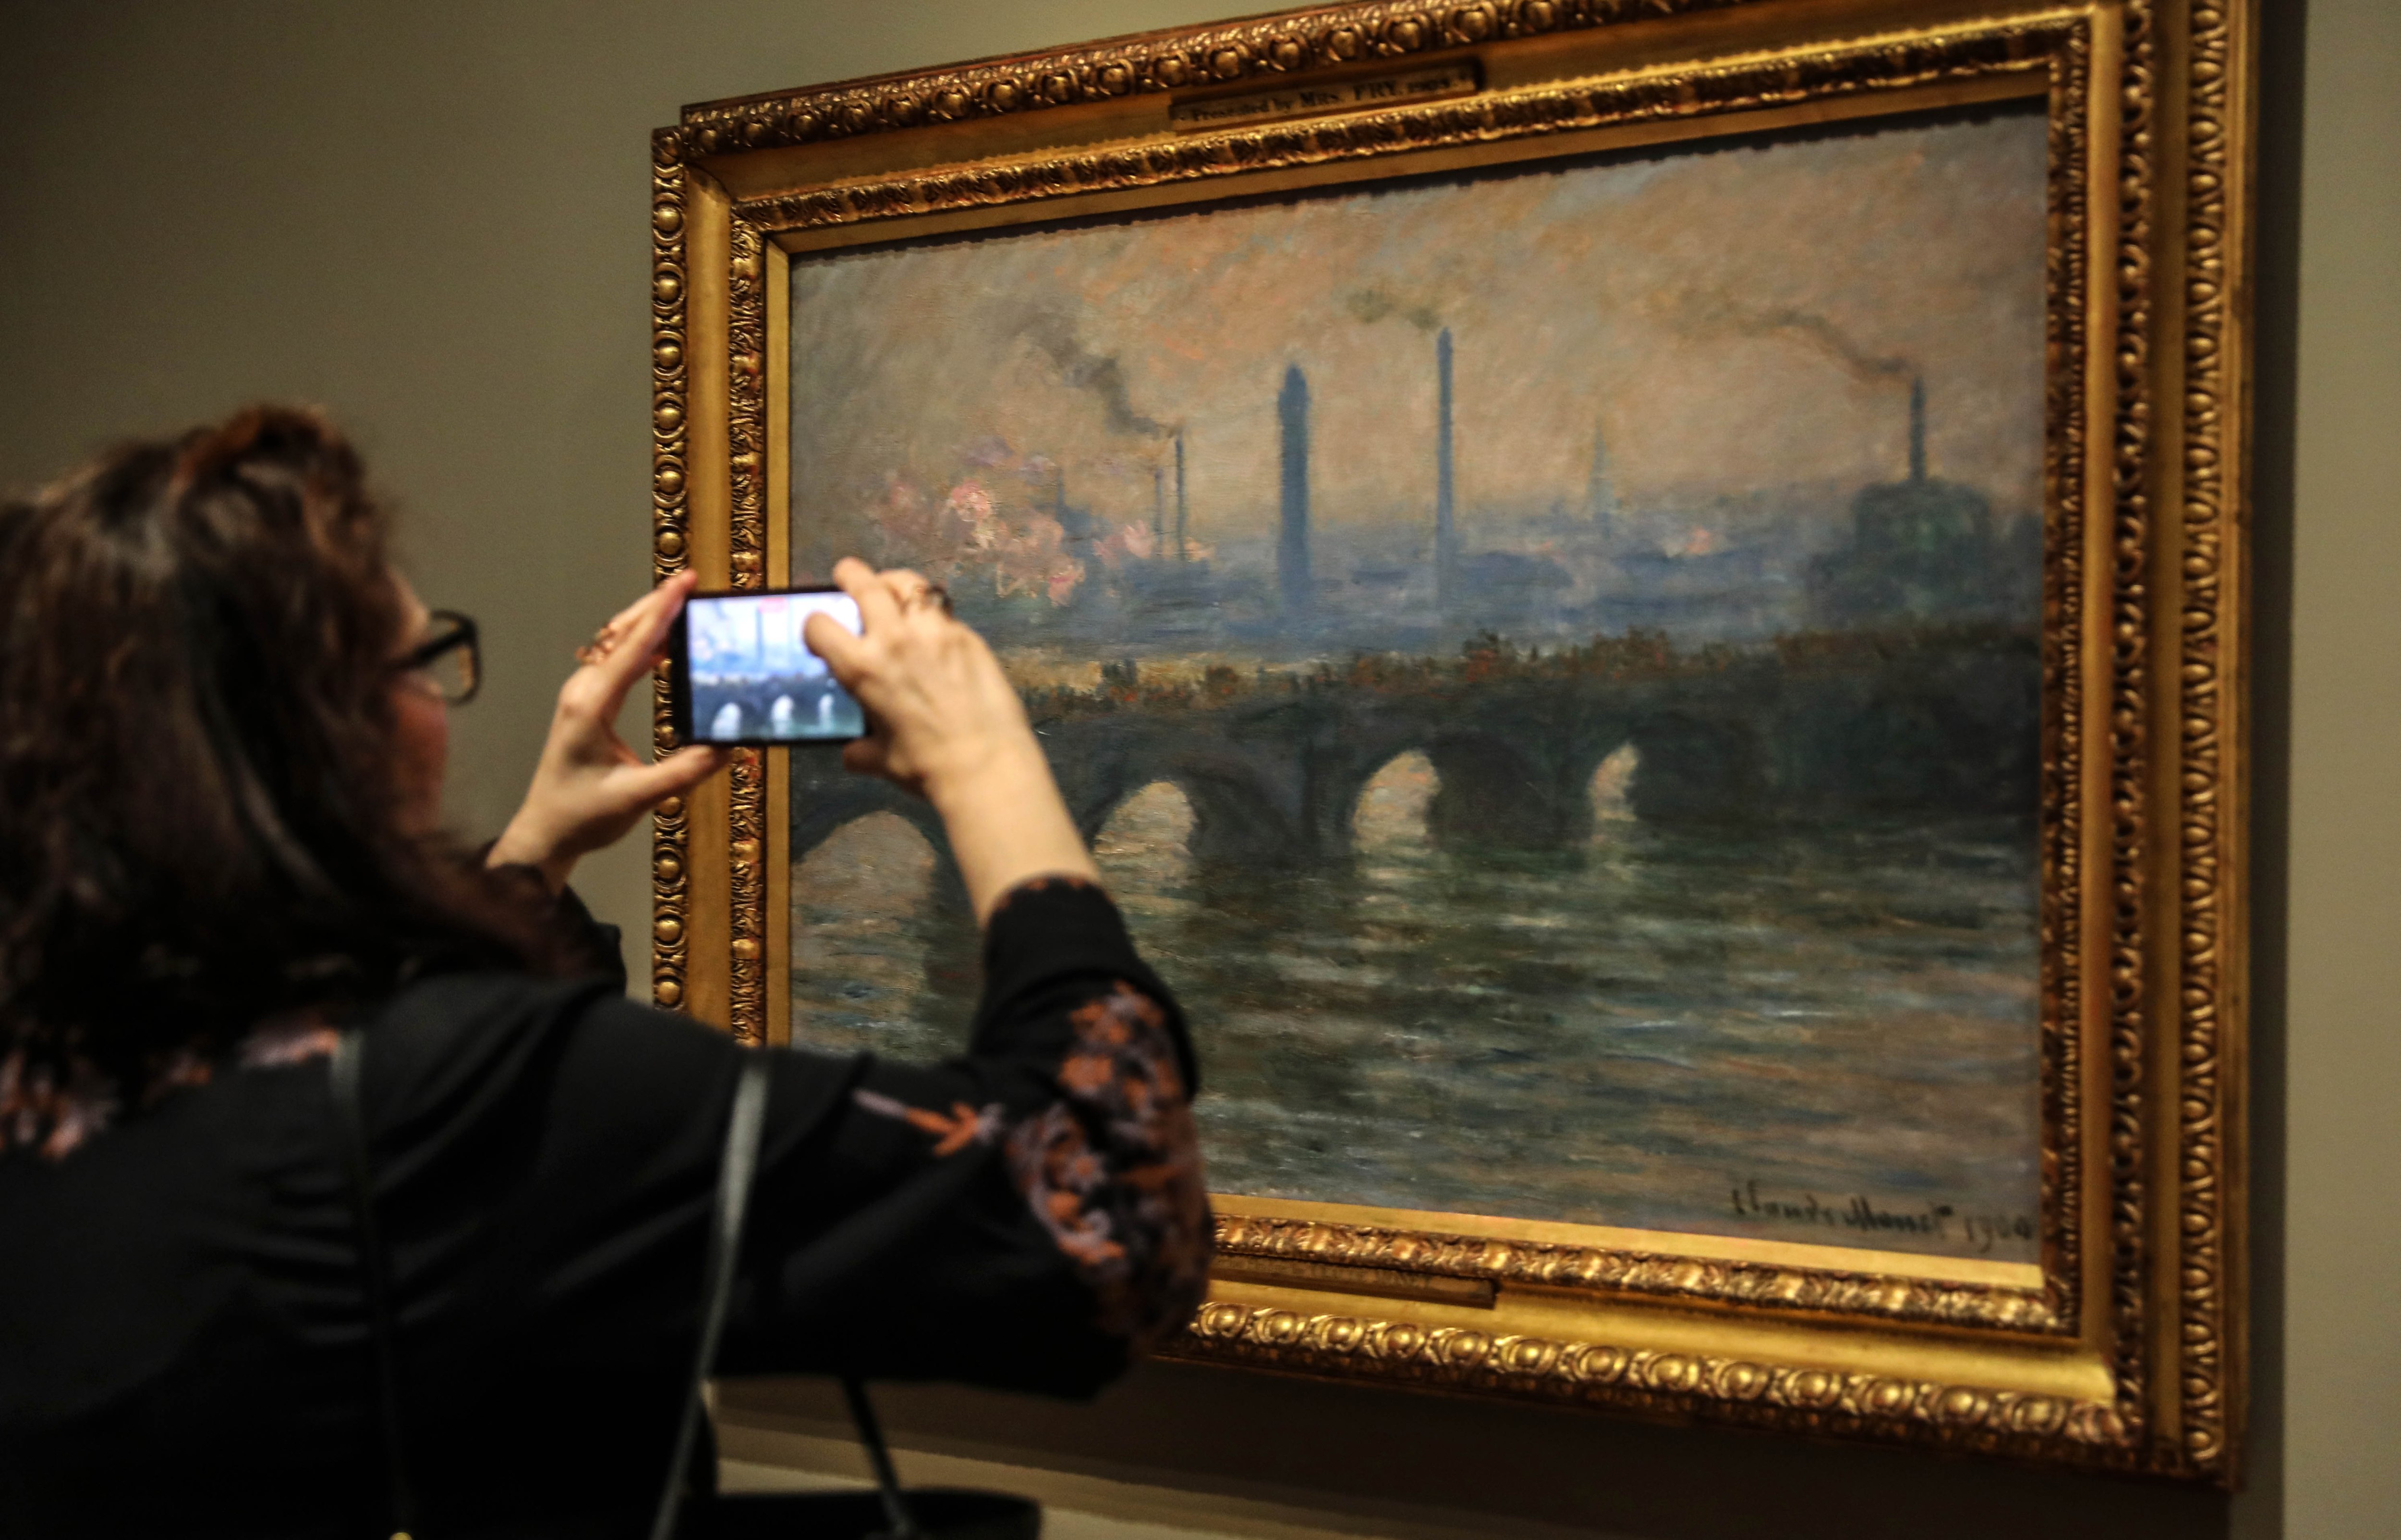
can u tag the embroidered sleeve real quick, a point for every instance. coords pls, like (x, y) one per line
(1110, 1170)
(1073, 1108)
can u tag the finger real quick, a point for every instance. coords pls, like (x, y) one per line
(878, 607)
(619, 622)
(678, 773)
(630, 623)
(646, 622)
(832, 641)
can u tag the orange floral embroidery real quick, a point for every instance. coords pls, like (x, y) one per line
(1087, 1074)
(952, 1131)
(1112, 1169)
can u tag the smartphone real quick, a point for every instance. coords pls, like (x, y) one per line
(741, 672)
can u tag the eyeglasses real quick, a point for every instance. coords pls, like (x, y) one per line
(449, 659)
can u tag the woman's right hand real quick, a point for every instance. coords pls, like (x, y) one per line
(944, 722)
(589, 788)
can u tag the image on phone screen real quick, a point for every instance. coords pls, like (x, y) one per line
(751, 677)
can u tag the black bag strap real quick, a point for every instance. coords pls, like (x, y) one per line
(349, 1120)
(888, 1480)
(743, 1128)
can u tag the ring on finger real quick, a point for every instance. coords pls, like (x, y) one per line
(932, 594)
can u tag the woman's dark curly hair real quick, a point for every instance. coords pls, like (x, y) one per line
(199, 812)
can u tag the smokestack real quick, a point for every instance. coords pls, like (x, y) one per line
(1292, 554)
(1158, 508)
(1180, 546)
(1444, 541)
(1600, 496)
(1917, 429)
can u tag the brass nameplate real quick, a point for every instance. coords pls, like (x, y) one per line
(1324, 96)
(1390, 1283)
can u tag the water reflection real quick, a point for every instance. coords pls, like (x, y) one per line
(1612, 788)
(1392, 809)
(1144, 851)
(1678, 1029)
(877, 963)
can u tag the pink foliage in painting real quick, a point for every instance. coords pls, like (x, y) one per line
(1126, 543)
(974, 532)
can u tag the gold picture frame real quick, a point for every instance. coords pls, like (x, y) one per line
(2123, 1348)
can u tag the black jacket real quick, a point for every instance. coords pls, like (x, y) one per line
(183, 1346)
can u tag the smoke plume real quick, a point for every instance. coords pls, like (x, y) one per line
(1097, 373)
(1712, 312)
(1374, 304)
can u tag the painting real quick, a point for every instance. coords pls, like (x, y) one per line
(1642, 605)
(1550, 659)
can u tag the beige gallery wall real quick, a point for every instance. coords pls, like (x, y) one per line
(429, 217)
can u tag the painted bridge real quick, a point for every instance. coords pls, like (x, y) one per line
(1274, 774)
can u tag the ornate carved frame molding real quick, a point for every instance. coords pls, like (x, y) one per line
(2124, 1349)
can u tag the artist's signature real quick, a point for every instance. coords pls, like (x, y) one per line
(1865, 1216)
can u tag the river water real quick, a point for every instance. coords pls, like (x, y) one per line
(1823, 1035)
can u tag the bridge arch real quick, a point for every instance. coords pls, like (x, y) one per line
(881, 938)
(1477, 788)
(875, 860)
(822, 807)
(1394, 801)
(1149, 824)
(1238, 813)
(1144, 851)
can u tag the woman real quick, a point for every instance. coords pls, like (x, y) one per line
(222, 732)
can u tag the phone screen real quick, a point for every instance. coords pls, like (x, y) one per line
(749, 678)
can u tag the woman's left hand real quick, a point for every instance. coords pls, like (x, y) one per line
(589, 788)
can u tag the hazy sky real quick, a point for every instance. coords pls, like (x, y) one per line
(1730, 318)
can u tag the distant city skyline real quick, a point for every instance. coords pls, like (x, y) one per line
(1729, 320)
